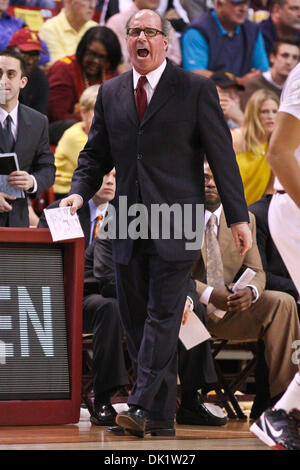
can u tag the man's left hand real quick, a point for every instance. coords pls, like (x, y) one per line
(240, 300)
(242, 237)
(188, 308)
(20, 180)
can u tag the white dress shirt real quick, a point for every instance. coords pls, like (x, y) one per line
(152, 80)
(95, 211)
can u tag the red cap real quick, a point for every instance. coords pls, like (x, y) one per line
(26, 40)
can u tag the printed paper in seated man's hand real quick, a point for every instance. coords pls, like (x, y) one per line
(8, 164)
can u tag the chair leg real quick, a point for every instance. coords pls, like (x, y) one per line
(234, 402)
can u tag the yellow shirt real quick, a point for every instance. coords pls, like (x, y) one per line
(60, 37)
(66, 154)
(255, 172)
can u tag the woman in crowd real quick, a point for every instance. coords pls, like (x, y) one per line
(72, 142)
(250, 143)
(97, 58)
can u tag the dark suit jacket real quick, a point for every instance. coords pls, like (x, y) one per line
(277, 276)
(83, 215)
(161, 160)
(34, 156)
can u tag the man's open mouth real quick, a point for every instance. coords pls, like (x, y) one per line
(143, 52)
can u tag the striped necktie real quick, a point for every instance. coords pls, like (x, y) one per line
(141, 97)
(97, 225)
(214, 264)
(9, 138)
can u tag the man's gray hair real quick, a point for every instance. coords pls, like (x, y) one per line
(166, 26)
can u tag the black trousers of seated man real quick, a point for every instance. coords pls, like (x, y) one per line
(152, 294)
(101, 317)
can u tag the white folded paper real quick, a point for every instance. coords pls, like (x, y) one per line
(193, 332)
(62, 224)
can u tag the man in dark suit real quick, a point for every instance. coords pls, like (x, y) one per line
(25, 132)
(158, 158)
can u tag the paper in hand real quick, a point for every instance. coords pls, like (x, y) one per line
(8, 164)
(63, 225)
(193, 332)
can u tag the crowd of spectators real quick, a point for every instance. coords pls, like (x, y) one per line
(72, 55)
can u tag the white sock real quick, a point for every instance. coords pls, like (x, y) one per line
(291, 398)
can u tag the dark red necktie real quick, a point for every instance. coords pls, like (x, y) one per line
(141, 97)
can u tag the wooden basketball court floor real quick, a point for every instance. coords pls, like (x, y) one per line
(235, 435)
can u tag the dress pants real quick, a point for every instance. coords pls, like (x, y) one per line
(152, 294)
(274, 319)
(196, 367)
(101, 317)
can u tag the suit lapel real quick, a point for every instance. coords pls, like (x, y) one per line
(24, 131)
(224, 234)
(164, 91)
(127, 98)
(2, 140)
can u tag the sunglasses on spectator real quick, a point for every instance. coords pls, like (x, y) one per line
(149, 32)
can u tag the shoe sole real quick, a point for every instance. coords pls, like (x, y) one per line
(198, 423)
(169, 432)
(98, 423)
(130, 425)
(258, 432)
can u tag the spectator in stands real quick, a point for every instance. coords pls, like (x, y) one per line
(250, 143)
(284, 20)
(228, 90)
(251, 312)
(101, 317)
(118, 24)
(24, 131)
(63, 32)
(223, 39)
(284, 56)
(8, 24)
(34, 3)
(97, 58)
(72, 142)
(35, 94)
(195, 8)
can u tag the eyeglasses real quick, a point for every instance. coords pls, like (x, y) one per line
(94, 55)
(149, 32)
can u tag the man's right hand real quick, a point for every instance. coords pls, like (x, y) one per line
(75, 201)
(219, 297)
(4, 205)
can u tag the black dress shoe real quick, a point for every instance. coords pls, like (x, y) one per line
(133, 420)
(155, 428)
(199, 414)
(104, 415)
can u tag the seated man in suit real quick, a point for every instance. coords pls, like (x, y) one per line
(101, 317)
(23, 131)
(251, 312)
